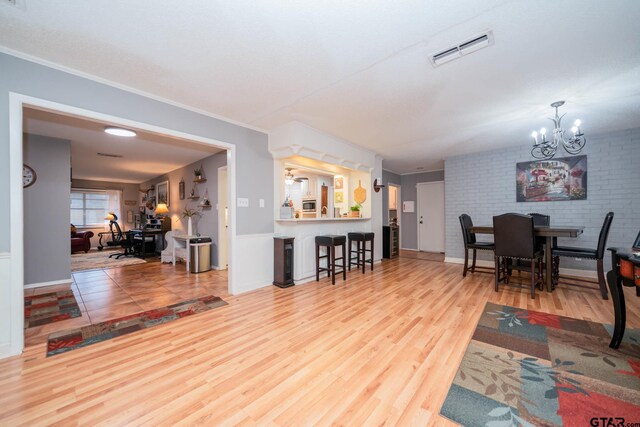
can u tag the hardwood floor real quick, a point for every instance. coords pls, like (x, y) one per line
(115, 292)
(381, 347)
(427, 256)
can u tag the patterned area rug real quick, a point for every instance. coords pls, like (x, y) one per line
(530, 368)
(64, 341)
(48, 308)
(95, 259)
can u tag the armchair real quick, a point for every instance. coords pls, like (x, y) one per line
(80, 240)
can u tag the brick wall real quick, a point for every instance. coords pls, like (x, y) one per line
(483, 185)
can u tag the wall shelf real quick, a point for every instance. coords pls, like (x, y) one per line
(199, 180)
(193, 197)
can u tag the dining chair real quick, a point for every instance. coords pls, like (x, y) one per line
(470, 243)
(541, 220)
(585, 253)
(515, 241)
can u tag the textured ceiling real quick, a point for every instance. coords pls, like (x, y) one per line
(146, 155)
(358, 69)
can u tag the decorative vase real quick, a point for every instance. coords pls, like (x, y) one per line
(189, 228)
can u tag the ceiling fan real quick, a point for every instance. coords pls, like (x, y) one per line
(290, 179)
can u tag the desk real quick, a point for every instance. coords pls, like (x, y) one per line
(184, 241)
(142, 234)
(549, 233)
(621, 274)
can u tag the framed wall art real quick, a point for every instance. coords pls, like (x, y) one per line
(552, 180)
(162, 192)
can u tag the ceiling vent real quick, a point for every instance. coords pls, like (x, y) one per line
(468, 46)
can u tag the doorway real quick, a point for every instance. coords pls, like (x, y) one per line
(394, 208)
(223, 218)
(17, 103)
(431, 226)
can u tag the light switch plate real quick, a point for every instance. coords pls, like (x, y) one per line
(243, 202)
(262, 203)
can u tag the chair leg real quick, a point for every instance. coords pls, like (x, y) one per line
(533, 278)
(350, 245)
(466, 262)
(497, 262)
(332, 269)
(619, 308)
(364, 255)
(601, 281)
(473, 264)
(372, 252)
(344, 270)
(317, 262)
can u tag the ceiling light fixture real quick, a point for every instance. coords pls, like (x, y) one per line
(288, 177)
(112, 130)
(546, 149)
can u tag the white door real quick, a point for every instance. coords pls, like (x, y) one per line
(223, 219)
(431, 216)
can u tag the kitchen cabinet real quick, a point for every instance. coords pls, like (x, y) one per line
(310, 188)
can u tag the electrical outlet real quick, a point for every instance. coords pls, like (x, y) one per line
(262, 203)
(243, 202)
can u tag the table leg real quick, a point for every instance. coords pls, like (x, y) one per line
(548, 268)
(143, 252)
(188, 254)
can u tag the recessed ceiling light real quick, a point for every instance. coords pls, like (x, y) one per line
(119, 131)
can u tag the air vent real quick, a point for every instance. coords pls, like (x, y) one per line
(464, 48)
(117, 156)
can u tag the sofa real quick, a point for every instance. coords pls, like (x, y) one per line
(80, 240)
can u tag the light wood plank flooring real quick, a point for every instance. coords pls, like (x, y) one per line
(104, 294)
(381, 347)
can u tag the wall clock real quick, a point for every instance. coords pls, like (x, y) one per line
(28, 176)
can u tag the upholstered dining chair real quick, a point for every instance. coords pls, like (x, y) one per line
(541, 220)
(514, 237)
(470, 243)
(586, 253)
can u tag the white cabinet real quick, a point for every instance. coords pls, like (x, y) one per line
(310, 188)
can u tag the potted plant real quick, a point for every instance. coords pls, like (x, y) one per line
(197, 172)
(189, 213)
(355, 210)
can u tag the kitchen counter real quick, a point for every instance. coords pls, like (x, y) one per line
(321, 219)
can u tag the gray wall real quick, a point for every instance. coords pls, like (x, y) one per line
(484, 185)
(388, 177)
(409, 192)
(46, 210)
(129, 192)
(207, 222)
(254, 162)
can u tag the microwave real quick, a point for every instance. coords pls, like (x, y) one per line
(308, 206)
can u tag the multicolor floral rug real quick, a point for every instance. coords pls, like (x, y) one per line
(530, 368)
(61, 342)
(95, 259)
(48, 308)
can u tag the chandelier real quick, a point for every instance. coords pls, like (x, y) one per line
(546, 149)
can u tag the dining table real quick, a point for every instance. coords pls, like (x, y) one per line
(549, 233)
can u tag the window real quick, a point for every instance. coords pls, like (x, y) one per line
(89, 207)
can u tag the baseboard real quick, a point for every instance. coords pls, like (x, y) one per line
(53, 283)
(409, 249)
(591, 274)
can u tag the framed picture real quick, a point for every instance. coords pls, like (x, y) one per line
(181, 189)
(552, 180)
(338, 197)
(162, 192)
(338, 182)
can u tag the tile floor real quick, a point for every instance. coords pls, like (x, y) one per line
(108, 293)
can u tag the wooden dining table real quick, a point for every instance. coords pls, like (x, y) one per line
(548, 232)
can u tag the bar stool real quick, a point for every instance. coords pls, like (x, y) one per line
(361, 240)
(330, 241)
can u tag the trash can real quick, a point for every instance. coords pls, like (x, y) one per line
(200, 256)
